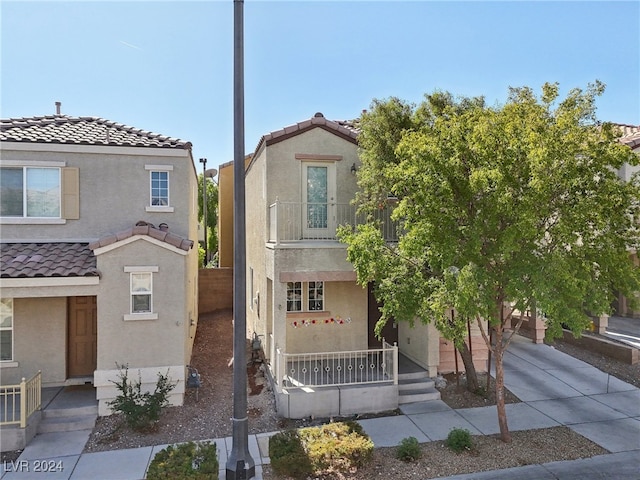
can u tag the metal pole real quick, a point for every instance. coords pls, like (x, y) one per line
(240, 465)
(204, 209)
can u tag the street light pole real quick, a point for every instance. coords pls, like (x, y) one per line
(240, 465)
(204, 208)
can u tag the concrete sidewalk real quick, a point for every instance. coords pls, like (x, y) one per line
(555, 389)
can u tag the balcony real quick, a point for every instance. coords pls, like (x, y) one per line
(296, 221)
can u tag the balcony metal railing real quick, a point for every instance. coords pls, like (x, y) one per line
(18, 402)
(295, 221)
(299, 370)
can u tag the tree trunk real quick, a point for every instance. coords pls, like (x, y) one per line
(505, 435)
(470, 369)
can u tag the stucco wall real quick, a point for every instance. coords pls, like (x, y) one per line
(346, 304)
(215, 289)
(114, 191)
(40, 328)
(420, 344)
(142, 343)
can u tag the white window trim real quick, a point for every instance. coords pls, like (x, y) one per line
(159, 208)
(24, 219)
(142, 315)
(304, 286)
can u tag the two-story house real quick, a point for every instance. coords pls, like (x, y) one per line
(97, 270)
(314, 321)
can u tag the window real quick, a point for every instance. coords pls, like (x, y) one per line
(6, 329)
(141, 288)
(160, 189)
(294, 296)
(32, 192)
(314, 296)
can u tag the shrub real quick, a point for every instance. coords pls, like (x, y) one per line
(140, 409)
(339, 447)
(288, 456)
(192, 460)
(409, 450)
(459, 439)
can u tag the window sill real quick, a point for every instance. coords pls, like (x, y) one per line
(32, 221)
(159, 209)
(140, 316)
(9, 364)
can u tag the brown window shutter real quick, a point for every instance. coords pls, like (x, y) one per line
(71, 193)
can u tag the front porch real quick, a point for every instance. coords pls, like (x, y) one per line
(345, 383)
(49, 409)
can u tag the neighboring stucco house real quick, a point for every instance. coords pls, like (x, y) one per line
(631, 138)
(97, 268)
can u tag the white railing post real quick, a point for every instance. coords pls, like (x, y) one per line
(395, 363)
(23, 403)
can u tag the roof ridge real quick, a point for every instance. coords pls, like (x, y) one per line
(83, 130)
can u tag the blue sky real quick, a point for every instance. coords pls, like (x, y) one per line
(167, 66)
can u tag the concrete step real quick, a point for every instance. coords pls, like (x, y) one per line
(69, 412)
(406, 385)
(67, 423)
(419, 395)
(412, 376)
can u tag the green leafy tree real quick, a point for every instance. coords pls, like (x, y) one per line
(501, 209)
(212, 213)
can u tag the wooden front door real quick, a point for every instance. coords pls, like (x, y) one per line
(390, 330)
(82, 336)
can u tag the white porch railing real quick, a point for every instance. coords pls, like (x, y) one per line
(298, 370)
(18, 402)
(295, 221)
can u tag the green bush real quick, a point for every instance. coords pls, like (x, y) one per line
(340, 447)
(192, 460)
(140, 409)
(409, 450)
(459, 439)
(288, 456)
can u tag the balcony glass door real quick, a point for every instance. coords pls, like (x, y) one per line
(319, 207)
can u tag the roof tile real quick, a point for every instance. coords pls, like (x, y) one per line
(82, 131)
(55, 259)
(144, 228)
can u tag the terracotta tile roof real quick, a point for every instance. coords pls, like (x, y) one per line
(82, 131)
(346, 129)
(630, 135)
(56, 259)
(144, 228)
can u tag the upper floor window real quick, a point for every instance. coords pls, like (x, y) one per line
(31, 192)
(160, 189)
(159, 192)
(6, 329)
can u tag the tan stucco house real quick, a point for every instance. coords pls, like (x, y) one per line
(97, 269)
(314, 322)
(631, 138)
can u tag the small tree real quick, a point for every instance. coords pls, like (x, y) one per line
(501, 208)
(212, 213)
